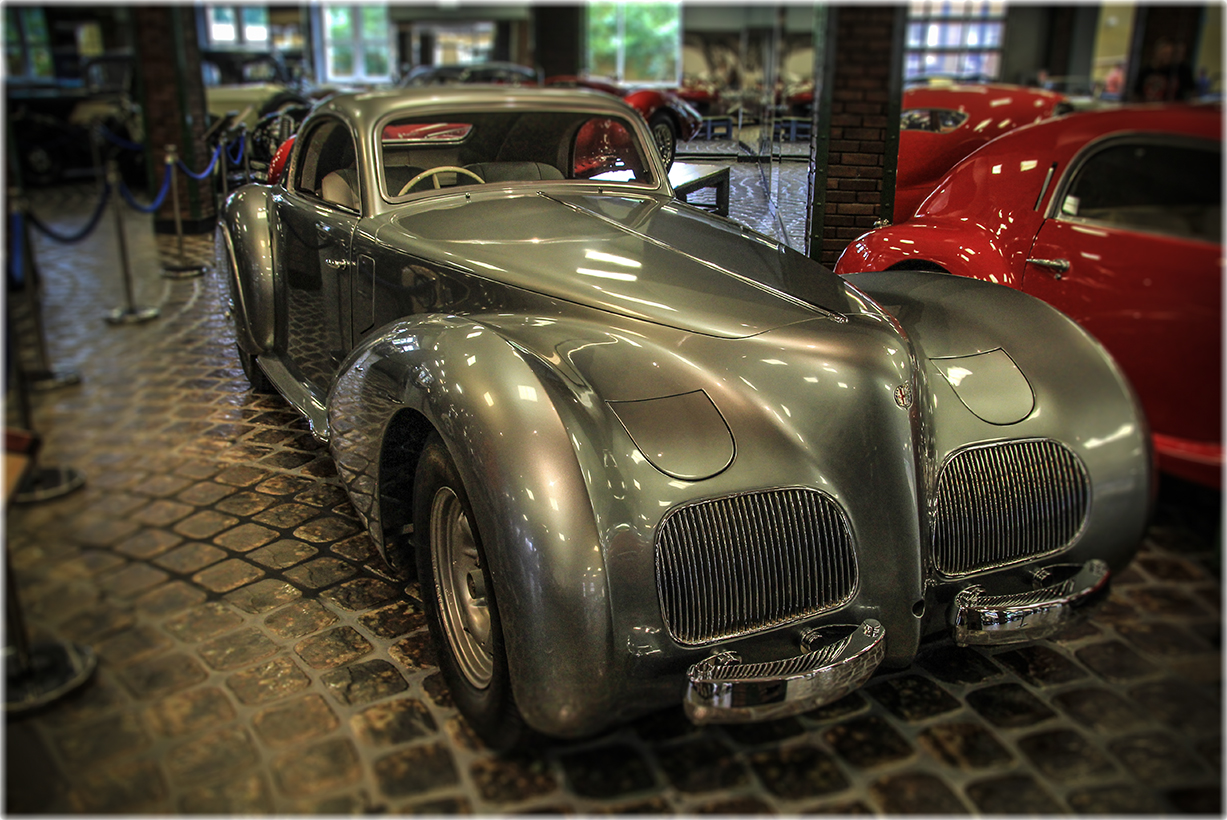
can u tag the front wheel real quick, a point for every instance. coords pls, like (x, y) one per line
(458, 597)
(664, 135)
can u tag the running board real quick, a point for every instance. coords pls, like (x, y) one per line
(304, 398)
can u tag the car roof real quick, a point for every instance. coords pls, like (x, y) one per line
(373, 105)
(1074, 129)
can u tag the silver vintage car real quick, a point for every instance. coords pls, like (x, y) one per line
(639, 455)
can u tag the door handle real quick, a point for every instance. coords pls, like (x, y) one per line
(337, 263)
(1058, 266)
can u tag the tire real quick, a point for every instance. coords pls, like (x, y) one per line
(455, 581)
(665, 136)
(255, 376)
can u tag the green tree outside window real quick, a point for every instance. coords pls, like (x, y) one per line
(635, 42)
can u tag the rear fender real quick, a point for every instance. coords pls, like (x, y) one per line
(528, 493)
(247, 231)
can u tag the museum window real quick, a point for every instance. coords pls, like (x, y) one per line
(237, 26)
(27, 44)
(357, 43)
(635, 42)
(954, 39)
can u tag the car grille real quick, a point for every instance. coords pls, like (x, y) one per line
(1005, 503)
(737, 565)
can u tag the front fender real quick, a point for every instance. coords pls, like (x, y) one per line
(514, 453)
(247, 232)
(969, 251)
(1081, 397)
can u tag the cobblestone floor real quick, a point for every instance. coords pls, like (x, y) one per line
(256, 657)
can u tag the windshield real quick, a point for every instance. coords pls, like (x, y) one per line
(424, 153)
(937, 120)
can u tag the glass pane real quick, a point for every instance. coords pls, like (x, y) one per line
(341, 61)
(992, 35)
(16, 63)
(375, 60)
(35, 26)
(1169, 189)
(604, 42)
(339, 23)
(12, 34)
(41, 64)
(222, 25)
(255, 25)
(651, 42)
(915, 35)
(374, 23)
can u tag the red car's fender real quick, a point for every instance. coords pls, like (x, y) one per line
(952, 250)
(277, 167)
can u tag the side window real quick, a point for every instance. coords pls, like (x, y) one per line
(1156, 187)
(327, 165)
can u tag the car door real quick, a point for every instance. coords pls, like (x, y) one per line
(317, 218)
(1132, 250)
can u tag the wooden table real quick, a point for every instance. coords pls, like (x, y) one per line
(686, 178)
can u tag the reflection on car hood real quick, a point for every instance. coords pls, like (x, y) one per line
(638, 256)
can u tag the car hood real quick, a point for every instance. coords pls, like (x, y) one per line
(640, 256)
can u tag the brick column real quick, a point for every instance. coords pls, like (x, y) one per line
(171, 93)
(858, 77)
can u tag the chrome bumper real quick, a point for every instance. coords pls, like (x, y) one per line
(836, 660)
(1070, 593)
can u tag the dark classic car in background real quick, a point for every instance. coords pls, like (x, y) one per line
(943, 122)
(642, 456)
(669, 117)
(1114, 217)
(495, 72)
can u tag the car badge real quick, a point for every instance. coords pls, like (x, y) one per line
(903, 396)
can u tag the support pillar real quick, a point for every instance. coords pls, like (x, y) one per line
(858, 91)
(171, 92)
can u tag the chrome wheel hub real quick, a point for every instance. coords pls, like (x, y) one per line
(461, 589)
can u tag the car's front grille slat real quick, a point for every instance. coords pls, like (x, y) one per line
(741, 564)
(1008, 502)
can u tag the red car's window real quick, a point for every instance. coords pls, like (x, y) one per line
(1156, 187)
(937, 120)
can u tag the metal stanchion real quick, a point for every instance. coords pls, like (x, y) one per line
(243, 141)
(130, 314)
(181, 269)
(223, 165)
(44, 378)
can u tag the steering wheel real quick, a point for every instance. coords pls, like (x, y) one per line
(430, 172)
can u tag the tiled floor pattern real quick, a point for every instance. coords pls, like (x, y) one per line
(256, 656)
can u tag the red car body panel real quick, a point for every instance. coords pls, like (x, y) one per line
(992, 109)
(647, 101)
(1153, 299)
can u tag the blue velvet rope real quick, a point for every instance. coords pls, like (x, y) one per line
(242, 141)
(205, 173)
(85, 229)
(118, 140)
(157, 200)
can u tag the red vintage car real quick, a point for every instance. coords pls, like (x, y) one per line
(941, 124)
(1115, 218)
(669, 117)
